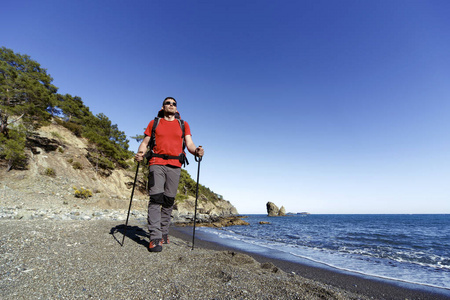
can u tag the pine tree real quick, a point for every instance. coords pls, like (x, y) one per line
(26, 91)
(12, 149)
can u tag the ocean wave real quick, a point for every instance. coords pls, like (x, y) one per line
(361, 245)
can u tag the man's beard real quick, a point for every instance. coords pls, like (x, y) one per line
(169, 113)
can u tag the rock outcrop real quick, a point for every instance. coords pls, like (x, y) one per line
(274, 211)
(207, 211)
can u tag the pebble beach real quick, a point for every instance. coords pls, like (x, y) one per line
(78, 259)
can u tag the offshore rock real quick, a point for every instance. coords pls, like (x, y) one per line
(272, 209)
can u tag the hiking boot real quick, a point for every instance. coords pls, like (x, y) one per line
(165, 238)
(155, 245)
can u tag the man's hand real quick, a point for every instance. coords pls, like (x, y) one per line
(139, 156)
(199, 151)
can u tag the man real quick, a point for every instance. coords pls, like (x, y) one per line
(165, 169)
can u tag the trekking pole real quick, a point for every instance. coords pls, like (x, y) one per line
(131, 200)
(197, 159)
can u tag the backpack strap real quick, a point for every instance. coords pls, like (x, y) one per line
(152, 136)
(183, 157)
(183, 132)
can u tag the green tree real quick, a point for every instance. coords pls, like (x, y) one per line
(26, 91)
(110, 141)
(72, 108)
(12, 148)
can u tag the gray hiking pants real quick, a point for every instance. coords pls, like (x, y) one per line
(163, 185)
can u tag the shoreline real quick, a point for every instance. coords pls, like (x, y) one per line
(372, 287)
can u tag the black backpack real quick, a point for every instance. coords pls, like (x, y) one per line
(181, 157)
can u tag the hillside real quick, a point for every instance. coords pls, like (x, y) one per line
(58, 167)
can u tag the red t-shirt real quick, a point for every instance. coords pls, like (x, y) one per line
(167, 140)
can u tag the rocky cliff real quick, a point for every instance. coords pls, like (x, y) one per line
(59, 170)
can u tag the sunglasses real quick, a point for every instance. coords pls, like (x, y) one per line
(170, 103)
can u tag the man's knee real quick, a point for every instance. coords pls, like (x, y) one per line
(162, 199)
(157, 198)
(168, 201)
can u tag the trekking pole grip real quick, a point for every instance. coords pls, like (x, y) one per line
(197, 157)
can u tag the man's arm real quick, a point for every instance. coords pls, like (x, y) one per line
(142, 149)
(197, 151)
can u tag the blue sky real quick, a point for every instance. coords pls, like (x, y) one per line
(318, 106)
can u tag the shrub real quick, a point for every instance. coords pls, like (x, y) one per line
(82, 193)
(180, 197)
(60, 149)
(77, 165)
(12, 148)
(50, 172)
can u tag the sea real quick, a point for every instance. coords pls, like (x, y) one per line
(410, 249)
